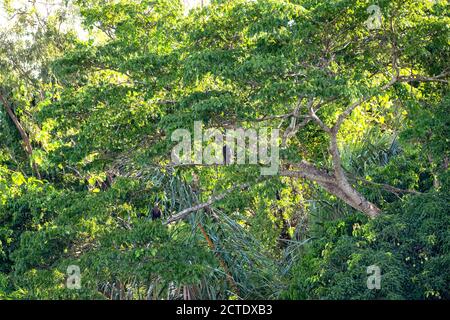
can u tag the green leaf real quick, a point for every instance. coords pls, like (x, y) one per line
(18, 178)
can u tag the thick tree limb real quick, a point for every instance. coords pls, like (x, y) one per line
(26, 140)
(338, 187)
(352, 196)
(308, 171)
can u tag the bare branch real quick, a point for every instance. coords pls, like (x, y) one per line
(268, 118)
(385, 186)
(419, 78)
(184, 213)
(357, 103)
(314, 116)
(293, 127)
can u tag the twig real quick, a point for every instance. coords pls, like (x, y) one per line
(385, 186)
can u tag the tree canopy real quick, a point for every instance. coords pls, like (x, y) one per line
(361, 102)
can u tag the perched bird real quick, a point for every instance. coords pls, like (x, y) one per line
(156, 212)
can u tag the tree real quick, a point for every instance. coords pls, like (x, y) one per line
(311, 61)
(354, 102)
(30, 39)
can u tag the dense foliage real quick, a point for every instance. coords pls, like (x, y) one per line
(85, 150)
